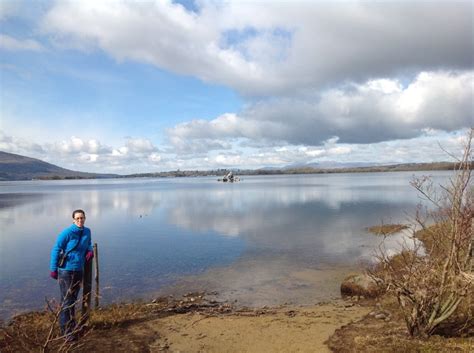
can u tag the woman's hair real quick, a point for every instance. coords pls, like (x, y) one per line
(78, 211)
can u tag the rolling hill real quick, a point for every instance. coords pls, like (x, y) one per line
(16, 167)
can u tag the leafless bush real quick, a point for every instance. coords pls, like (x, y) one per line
(39, 332)
(433, 279)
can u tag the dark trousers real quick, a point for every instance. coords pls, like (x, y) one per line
(69, 284)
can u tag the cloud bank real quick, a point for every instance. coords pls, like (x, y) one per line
(286, 47)
(375, 111)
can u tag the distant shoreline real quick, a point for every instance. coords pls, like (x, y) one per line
(410, 167)
(16, 167)
(305, 170)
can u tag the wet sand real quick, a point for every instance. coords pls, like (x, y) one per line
(266, 282)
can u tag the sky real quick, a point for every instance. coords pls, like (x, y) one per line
(148, 86)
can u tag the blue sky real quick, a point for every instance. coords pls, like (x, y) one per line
(149, 86)
(99, 93)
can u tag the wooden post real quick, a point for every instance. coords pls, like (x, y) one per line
(86, 291)
(96, 262)
(470, 258)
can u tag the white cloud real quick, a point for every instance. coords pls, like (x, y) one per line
(340, 150)
(359, 113)
(18, 145)
(385, 86)
(154, 158)
(120, 152)
(89, 158)
(87, 154)
(314, 152)
(273, 47)
(12, 44)
(76, 145)
(140, 145)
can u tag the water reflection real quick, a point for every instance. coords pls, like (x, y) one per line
(153, 233)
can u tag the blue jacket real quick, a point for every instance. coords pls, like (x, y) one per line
(66, 241)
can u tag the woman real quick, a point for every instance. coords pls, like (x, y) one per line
(74, 245)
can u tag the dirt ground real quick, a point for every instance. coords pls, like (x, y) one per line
(195, 323)
(304, 329)
(192, 324)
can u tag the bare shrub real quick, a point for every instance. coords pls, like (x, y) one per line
(433, 279)
(38, 332)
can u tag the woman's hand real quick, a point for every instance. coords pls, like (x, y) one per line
(53, 274)
(89, 255)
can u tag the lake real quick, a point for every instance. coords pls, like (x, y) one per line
(265, 240)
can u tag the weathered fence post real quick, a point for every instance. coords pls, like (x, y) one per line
(470, 258)
(96, 262)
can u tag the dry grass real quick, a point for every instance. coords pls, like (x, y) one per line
(461, 321)
(435, 245)
(379, 336)
(432, 283)
(28, 332)
(110, 328)
(387, 229)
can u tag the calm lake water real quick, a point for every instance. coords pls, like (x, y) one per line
(264, 240)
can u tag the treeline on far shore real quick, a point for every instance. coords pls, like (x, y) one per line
(266, 171)
(300, 170)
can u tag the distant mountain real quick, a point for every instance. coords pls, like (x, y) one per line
(332, 165)
(16, 167)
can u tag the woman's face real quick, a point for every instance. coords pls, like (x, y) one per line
(79, 219)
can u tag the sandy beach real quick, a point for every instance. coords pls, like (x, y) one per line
(195, 323)
(285, 329)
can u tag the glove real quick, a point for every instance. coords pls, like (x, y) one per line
(89, 255)
(53, 274)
